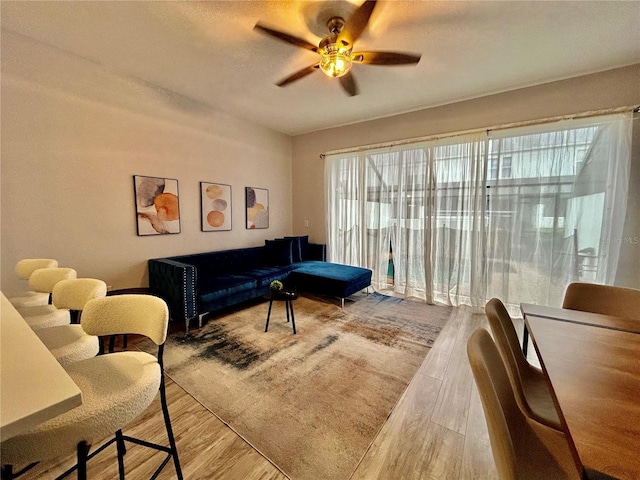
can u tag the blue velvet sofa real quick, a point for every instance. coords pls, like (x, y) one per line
(197, 284)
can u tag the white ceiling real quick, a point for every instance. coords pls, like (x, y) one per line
(206, 56)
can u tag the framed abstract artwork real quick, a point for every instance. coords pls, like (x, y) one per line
(257, 207)
(215, 203)
(157, 205)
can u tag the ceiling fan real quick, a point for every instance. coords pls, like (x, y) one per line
(336, 49)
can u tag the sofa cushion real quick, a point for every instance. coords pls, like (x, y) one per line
(265, 275)
(215, 287)
(278, 252)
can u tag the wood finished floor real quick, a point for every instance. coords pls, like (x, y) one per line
(436, 431)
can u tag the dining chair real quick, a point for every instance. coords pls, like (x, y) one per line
(24, 268)
(50, 315)
(70, 343)
(529, 383)
(604, 299)
(522, 448)
(116, 388)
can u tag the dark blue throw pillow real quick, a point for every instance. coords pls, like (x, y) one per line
(278, 252)
(304, 247)
(295, 248)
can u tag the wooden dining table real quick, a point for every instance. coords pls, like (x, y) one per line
(592, 363)
(33, 385)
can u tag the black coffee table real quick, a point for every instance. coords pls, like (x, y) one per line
(285, 296)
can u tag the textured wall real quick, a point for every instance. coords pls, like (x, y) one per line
(73, 136)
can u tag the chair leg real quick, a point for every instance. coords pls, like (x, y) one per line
(167, 422)
(83, 452)
(121, 449)
(525, 340)
(7, 472)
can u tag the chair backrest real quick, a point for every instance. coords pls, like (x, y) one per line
(522, 448)
(123, 314)
(498, 402)
(26, 266)
(74, 293)
(44, 279)
(506, 339)
(603, 299)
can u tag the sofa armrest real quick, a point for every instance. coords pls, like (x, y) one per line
(177, 282)
(317, 251)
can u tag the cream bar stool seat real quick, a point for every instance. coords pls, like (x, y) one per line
(70, 343)
(604, 299)
(116, 388)
(523, 449)
(44, 316)
(24, 269)
(529, 383)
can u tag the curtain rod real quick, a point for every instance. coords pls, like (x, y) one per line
(593, 113)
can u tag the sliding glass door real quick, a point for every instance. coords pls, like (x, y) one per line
(545, 211)
(515, 214)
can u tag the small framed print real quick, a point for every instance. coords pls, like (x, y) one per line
(157, 205)
(257, 202)
(215, 202)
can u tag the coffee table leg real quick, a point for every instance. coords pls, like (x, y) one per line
(293, 320)
(266, 327)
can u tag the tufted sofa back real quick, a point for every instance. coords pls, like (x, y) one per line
(224, 261)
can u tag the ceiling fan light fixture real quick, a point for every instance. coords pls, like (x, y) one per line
(335, 64)
(335, 49)
(335, 59)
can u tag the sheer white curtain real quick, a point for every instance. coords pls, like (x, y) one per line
(552, 190)
(456, 221)
(516, 215)
(411, 204)
(601, 188)
(344, 184)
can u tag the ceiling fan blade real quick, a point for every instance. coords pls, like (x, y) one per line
(357, 23)
(285, 37)
(298, 75)
(349, 84)
(385, 58)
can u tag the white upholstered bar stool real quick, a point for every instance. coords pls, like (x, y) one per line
(44, 316)
(70, 343)
(24, 269)
(116, 389)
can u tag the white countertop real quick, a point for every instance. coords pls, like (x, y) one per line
(33, 385)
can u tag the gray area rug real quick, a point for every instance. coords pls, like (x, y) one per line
(312, 403)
